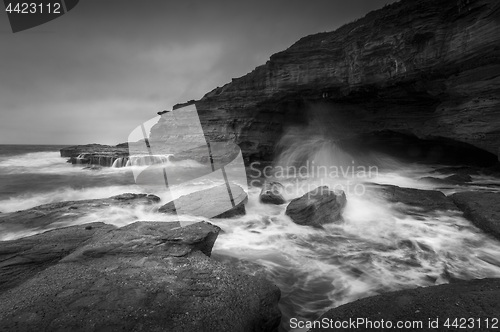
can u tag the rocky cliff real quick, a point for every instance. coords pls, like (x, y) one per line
(428, 69)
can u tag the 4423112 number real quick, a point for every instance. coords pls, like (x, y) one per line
(34, 8)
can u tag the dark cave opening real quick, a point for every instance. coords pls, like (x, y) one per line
(410, 148)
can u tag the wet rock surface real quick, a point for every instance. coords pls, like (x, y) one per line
(478, 299)
(95, 154)
(147, 276)
(422, 201)
(455, 179)
(318, 207)
(22, 259)
(74, 151)
(272, 193)
(482, 208)
(55, 215)
(213, 202)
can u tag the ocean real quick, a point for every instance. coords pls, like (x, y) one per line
(378, 247)
(32, 175)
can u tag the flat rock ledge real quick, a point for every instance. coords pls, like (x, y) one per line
(481, 208)
(57, 215)
(95, 154)
(147, 276)
(417, 200)
(477, 299)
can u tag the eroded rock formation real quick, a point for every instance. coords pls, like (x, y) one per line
(96, 154)
(426, 68)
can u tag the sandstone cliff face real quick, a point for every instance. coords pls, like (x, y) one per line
(429, 68)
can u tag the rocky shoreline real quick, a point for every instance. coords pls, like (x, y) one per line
(435, 308)
(96, 154)
(418, 79)
(147, 276)
(151, 275)
(476, 301)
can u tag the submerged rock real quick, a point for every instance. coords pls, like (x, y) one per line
(213, 202)
(477, 299)
(318, 207)
(272, 193)
(93, 168)
(482, 208)
(460, 170)
(147, 276)
(56, 215)
(455, 179)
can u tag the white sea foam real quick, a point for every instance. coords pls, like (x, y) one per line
(27, 201)
(35, 162)
(376, 249)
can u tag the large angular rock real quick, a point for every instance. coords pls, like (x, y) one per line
(57, 215)
(482, 208)
(477, 299)
(210, 203)
(318, 207)
(272, 193)
(147, 276)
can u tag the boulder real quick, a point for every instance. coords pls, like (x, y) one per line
(213, 202)
(317, 207)
(272, 193)
(477, 299)
(147, 276)
(482, 208)
(417, 200)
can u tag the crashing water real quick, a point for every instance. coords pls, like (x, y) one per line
(379, 247)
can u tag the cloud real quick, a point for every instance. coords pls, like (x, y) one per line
(109, 65)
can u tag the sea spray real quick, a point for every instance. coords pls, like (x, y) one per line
(378, 248)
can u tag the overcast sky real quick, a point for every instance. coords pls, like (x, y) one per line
(94, 74)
